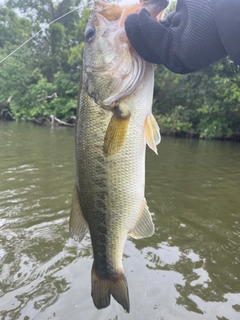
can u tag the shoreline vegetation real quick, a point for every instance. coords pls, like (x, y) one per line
(40, 82)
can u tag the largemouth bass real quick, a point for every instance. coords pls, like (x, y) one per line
(114, 123)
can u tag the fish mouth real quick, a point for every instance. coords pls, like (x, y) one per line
(122, 64)
(113, 11)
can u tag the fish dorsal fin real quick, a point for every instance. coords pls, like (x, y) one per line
(77, 225)
(152, 133)
(116, 134)
(144, 226)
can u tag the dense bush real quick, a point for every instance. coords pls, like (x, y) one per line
(205, 103)
(43, 76)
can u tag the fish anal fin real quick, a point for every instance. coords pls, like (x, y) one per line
(116, 134)
(103, 288)
(77, 225)
(144, 227)
(152, 133)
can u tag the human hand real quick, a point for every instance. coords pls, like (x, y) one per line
(187, 40)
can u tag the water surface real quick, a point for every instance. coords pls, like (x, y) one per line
(190, 267)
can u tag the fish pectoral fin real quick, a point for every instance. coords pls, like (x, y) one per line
(116, 134)
(152, 133)
(77, 225)
(144, 227)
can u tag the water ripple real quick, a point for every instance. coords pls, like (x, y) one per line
(189, 269)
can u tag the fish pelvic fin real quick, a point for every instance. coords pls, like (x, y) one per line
(144, 227)
(102, 289)
(77, 224)
(116, 134)
(152, 133)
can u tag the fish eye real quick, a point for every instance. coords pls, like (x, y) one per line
(89, 34)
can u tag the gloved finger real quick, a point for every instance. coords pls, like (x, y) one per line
(158, 41)
(155, 34)
(167, 21)
(138, 39)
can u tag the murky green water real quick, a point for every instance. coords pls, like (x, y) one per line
(190, 268)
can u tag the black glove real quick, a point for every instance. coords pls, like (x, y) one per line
(187, 40)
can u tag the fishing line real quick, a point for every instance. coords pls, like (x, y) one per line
(42, 29)
(38, 33)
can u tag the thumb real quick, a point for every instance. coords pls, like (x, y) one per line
(137, 26)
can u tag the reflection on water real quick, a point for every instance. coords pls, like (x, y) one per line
(190, 267)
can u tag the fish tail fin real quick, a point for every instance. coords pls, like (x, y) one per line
(102, 289)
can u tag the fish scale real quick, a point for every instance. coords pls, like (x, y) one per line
(111, 139)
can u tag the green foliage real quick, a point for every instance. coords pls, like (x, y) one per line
(13, 29)
(43, 76)
(178, 123)
(205, 103)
